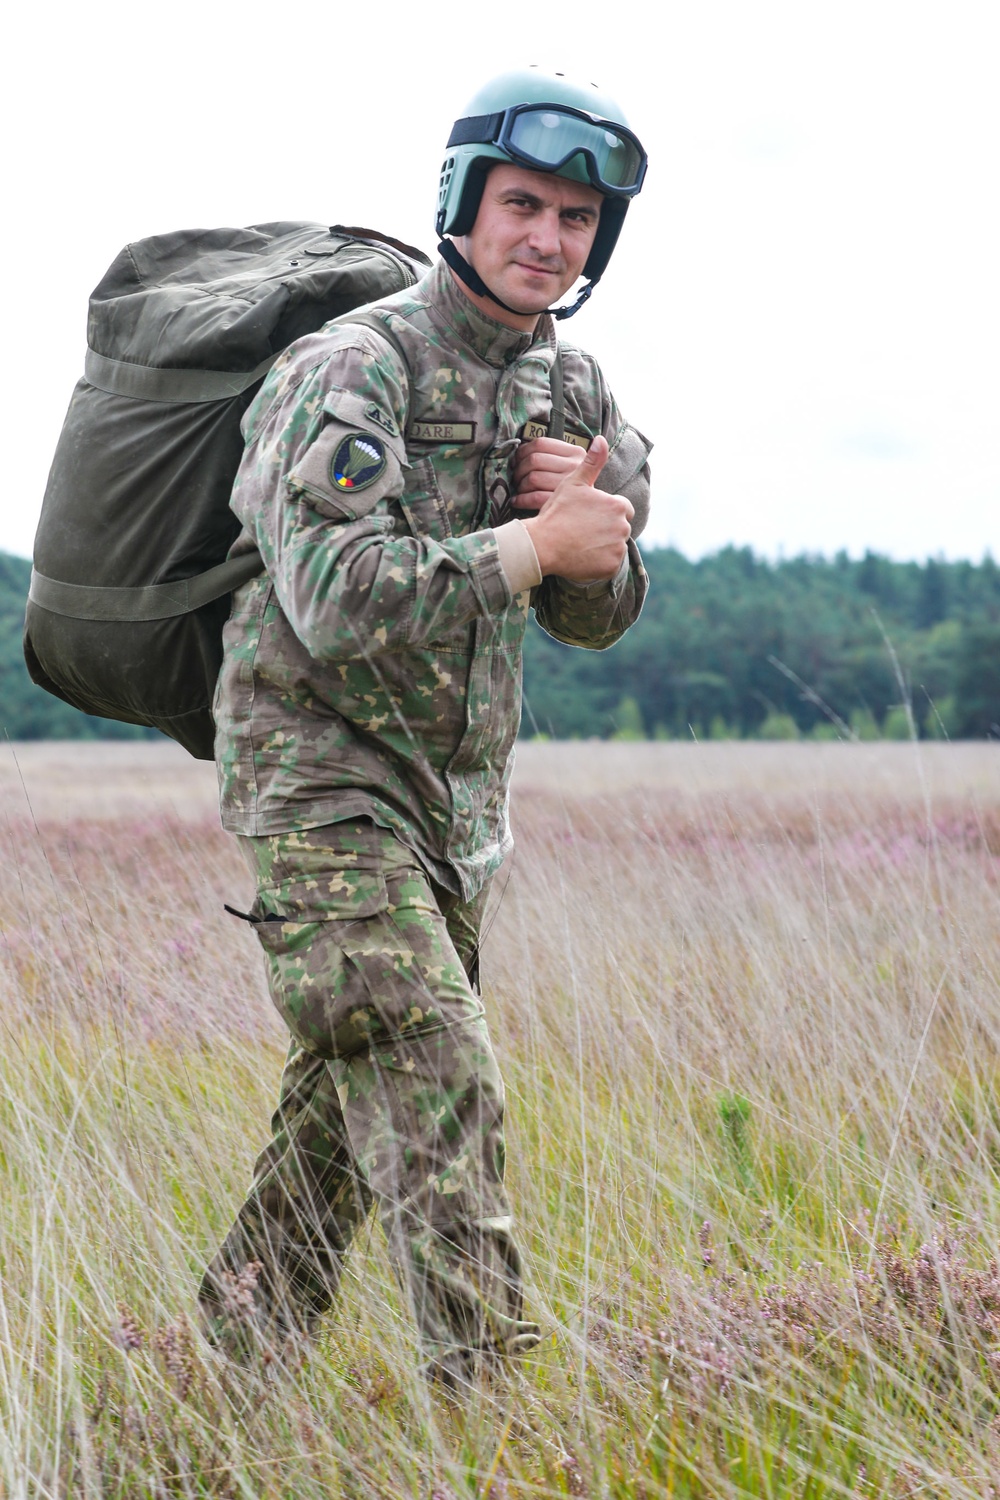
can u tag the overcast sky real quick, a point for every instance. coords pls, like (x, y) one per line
(803, 313)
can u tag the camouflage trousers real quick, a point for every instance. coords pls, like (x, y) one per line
(390, 1093)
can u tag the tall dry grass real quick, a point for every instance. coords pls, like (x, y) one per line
(746, 1002)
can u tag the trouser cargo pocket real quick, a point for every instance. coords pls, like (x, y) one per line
(341, 986)
(358, 952)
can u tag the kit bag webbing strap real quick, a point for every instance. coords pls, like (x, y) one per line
(154, 601)
(149, 383)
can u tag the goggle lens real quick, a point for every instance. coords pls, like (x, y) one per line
(549, 137)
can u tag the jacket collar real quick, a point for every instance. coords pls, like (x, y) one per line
(494, 342)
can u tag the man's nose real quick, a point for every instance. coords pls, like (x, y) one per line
(545, 238)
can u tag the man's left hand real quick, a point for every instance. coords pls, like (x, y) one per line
(539, 465)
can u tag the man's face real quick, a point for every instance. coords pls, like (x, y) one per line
(532, 236)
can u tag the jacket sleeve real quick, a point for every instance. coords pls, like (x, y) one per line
(324, 465)
(595, 615)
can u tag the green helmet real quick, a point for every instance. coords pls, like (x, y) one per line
(550, 124)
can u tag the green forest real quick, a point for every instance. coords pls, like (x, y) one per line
(730, 646)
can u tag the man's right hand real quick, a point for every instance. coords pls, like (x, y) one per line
(580, 533)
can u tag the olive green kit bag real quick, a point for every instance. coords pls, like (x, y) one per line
(131, 586)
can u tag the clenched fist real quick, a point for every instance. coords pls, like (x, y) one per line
(581, 532)
(538, 467)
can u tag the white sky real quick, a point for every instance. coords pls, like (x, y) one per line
(804, 311)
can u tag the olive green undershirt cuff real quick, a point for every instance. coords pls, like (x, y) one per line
(517, 556)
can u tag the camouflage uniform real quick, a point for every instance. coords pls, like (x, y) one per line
(367, 710)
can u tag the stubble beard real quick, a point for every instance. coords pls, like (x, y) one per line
(543, 297)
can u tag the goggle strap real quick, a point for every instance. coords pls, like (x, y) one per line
(476, 130)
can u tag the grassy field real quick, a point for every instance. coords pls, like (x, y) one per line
(746, 1002)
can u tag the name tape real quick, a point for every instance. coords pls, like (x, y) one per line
(441, 432)
(538, 429)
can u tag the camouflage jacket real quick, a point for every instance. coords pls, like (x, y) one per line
(375, 669)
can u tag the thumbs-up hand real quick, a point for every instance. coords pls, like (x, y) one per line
(581, 532)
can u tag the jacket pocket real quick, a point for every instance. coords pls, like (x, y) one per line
(423, 504)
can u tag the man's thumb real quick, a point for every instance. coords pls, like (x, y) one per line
(593, 460)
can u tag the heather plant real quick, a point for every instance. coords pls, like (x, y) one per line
(746, 1001)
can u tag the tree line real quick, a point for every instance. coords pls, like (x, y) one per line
(735, 646)
(26, 712)
(729, 646)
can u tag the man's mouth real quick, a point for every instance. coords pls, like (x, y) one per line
(536, 270)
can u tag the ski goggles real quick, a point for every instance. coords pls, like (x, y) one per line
(547, 136)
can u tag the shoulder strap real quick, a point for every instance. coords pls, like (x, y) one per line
(370, 320)
(557, 421)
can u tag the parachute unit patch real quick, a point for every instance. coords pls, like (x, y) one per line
(358, 462)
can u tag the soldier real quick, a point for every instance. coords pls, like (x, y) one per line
(411, 507)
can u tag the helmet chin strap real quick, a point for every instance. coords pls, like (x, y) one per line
(453, 257)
